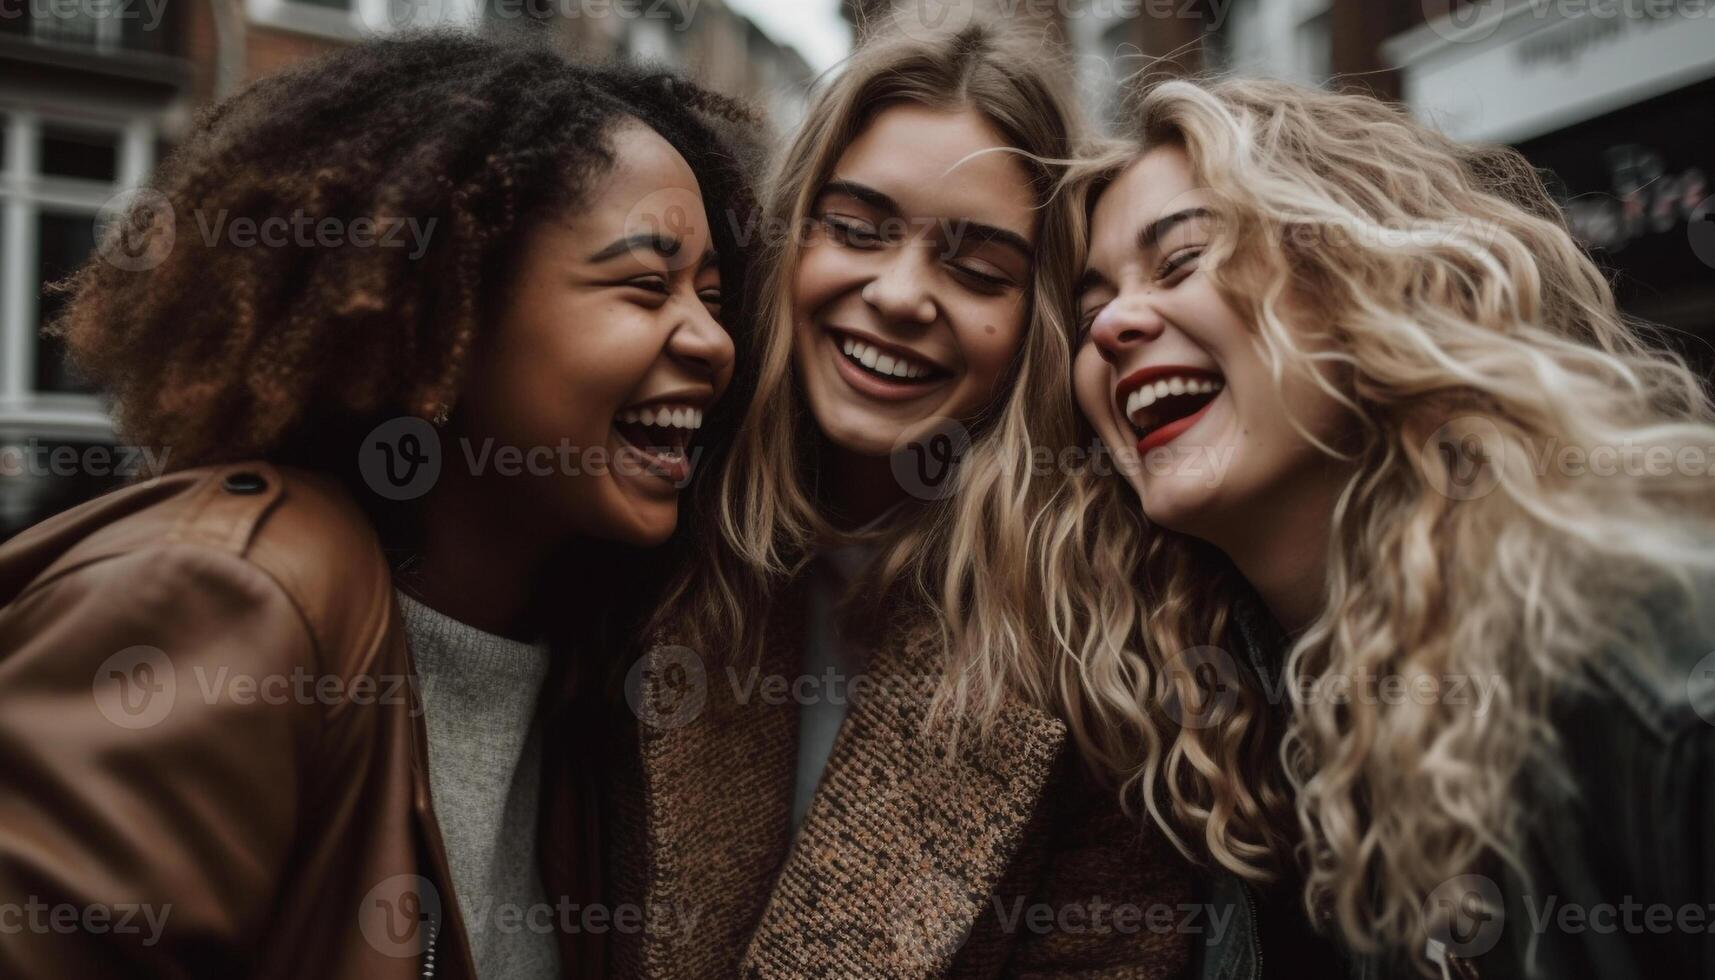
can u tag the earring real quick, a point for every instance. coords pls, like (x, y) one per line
(440, 417)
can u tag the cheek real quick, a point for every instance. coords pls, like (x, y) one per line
(820, 278)
(587, 357)
(1090, 385)
(989, 336)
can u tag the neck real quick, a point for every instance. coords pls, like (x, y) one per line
(476, 561)
(1282, 549)
(860, 488)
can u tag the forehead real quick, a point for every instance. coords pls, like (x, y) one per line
(1159, 183)
(923, 159)
(649, 180)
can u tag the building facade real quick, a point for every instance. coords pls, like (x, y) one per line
(1612, 100)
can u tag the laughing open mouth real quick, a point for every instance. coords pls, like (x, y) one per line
(662, 432)
(1165, 404)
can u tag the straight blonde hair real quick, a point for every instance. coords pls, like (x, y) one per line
(963, 556)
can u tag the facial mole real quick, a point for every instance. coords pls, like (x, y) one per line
(989, 329)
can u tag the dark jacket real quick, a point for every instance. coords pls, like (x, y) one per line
(1621, 854)
(208, 730)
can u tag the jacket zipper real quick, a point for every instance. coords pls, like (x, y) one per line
(1256, 929)
(429, 951)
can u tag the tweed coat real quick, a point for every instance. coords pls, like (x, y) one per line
(1001, 858)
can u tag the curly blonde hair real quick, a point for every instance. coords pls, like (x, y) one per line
(1466, 333)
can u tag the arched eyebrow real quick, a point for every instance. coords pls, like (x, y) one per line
(1151, 235)
(972, 231)
(665, 246)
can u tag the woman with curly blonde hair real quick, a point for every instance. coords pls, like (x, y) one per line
(1400, 595)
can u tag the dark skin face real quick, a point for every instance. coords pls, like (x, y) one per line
(610, 324)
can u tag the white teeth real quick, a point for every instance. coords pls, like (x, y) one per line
(667, 416)
(889, 364)
(1149, 394)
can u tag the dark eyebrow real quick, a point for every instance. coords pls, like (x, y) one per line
(983, 234)
(974, 231)
(863, 192)
(663, 245)
(1150, 235)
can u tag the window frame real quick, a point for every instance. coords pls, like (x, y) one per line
(25, 192)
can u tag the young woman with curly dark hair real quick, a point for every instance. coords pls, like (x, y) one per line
(417, 327)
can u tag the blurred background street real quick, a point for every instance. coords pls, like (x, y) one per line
(1616, 98)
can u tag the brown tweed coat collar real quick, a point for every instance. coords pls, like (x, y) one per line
(895, 861)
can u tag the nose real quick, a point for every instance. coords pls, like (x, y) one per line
(900, 293)
(701, 342)
(1127, 322)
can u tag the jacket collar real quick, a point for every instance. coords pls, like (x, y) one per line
(902, 844)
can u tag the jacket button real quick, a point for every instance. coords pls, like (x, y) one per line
(244, 482)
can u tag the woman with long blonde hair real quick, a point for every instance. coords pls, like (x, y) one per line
(833, 762)
(1400, 595)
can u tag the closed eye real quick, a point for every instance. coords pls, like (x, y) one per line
(653, 284)
(851, 231)
(985, 279)
(1178, 261)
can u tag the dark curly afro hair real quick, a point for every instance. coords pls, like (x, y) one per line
(226, 351)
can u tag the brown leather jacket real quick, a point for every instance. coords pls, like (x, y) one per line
(212, 757)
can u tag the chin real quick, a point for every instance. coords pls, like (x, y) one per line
(651, 530)
(1178, 508)
(860, 435)
(635, 522)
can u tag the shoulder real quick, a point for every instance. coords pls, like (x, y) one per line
(284, 530)
(1660, 677)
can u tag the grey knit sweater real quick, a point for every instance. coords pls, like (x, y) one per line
(479, 706)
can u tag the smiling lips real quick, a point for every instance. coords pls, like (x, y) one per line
(882, 370)
(1162, 402)
(662, 432)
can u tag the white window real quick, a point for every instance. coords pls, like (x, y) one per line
(354, 20)
(82, 22)
(59, 167)
(1286, 39)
